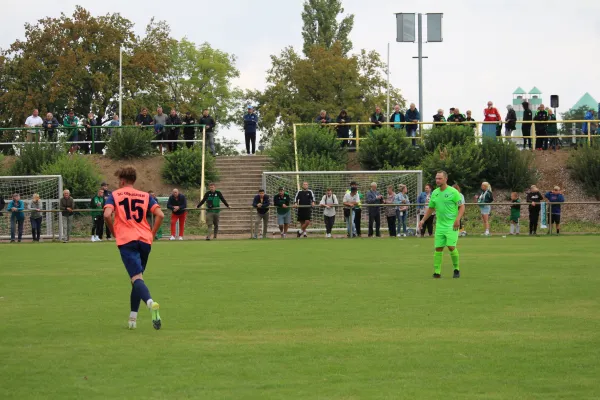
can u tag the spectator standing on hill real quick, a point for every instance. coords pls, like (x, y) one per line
(485, 197)
(323, 118)
(526, 127)
(106, 194)
(34, 121)
(515, 213)
(456, 116)
(250, 124)
(402, 210)
(469, 118)
(377, 118)
(144, 120)
(189, 132)
(72, 123)
(262, 203)
(343, 129)
(177, 203)
(412, 115)
(588, 126)
(35, 217)
(490, 114)
(17, 217)
(374, 198)
(213, 199)
(439, 117)
(284, 215)
(534, 198)
(209, 123)
(511, 121)
(390, 212)
(397, 117)
(67, 205)
(540, 128)
(305, 199)
(159, 121)
(90, 133)
(50, 125)
(97, 203)
(423, 201)
(555, 196)
(173, 131)
(350, 201)
(552, 130)
(329, 203)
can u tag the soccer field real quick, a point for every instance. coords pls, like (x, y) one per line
(304, 319)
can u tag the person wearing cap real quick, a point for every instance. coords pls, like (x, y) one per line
(534, 198)
(343, 129)
(261, 202)
(350, 201)
(189, 131)
(250, 123)
(209, 124)
(107, 193)
(284, 216)
(555, 197)
(357, 210)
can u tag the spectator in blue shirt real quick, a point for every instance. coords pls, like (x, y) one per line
(412, 115)
(250, 123)
(555, 196)
(17, 216)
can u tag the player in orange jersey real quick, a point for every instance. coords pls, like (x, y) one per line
(134, 237)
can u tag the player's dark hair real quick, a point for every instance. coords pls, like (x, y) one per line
(128, 174)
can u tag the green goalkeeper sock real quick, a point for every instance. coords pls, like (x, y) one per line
(455, 259)
(437, 262)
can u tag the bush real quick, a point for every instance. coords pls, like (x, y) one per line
(447, 135)
(318, 150)
(584, 166)
(80, 176)
(34, 157)
(184, 168)
(506, 167)
(388, 148)
(464, 164)
(128, 143)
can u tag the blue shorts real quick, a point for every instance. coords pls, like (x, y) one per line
(135, 257)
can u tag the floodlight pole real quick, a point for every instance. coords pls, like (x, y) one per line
(420, 56)
(121, 85)
(388, 80)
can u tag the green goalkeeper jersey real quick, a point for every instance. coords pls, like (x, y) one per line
(445, 203)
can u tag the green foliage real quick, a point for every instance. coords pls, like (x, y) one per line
(318, 150)
(463, 163)
(444, 135)
(80, 176)
(584, 166)
(508, 167)
(184, 168)
(388, 148)
(577, 114)
(227, 147)
(321, 27)
(34, 157)
(128, 143)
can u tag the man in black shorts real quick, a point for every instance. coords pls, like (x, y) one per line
(304, 198)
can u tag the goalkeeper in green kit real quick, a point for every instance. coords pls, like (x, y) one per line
(449, 209)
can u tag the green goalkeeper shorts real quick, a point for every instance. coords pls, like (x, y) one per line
(447, 238)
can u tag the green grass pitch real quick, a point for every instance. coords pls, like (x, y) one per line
(304, 319)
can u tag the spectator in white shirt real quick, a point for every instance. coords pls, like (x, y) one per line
(329, 201)
(34, 121)
(351, 199)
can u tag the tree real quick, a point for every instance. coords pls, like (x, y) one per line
(573, 115)
(200, 77)
(73, 62)
(321, 27)
(298, 88)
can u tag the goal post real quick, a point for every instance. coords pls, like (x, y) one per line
(48, 187)
(339, 182)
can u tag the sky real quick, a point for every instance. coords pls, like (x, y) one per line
(488, 50)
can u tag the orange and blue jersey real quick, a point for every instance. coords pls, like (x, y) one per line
(130, 207)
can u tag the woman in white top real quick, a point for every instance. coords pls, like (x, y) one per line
(328, 202)
(402, 211)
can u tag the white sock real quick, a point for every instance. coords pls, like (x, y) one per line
(133, 315)
(487, 232)
(512, 229)
(518, 228)
(149, 303)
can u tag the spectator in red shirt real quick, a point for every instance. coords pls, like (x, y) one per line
(490, 114)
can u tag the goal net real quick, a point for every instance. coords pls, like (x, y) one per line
(339, 182)
(48, 187)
